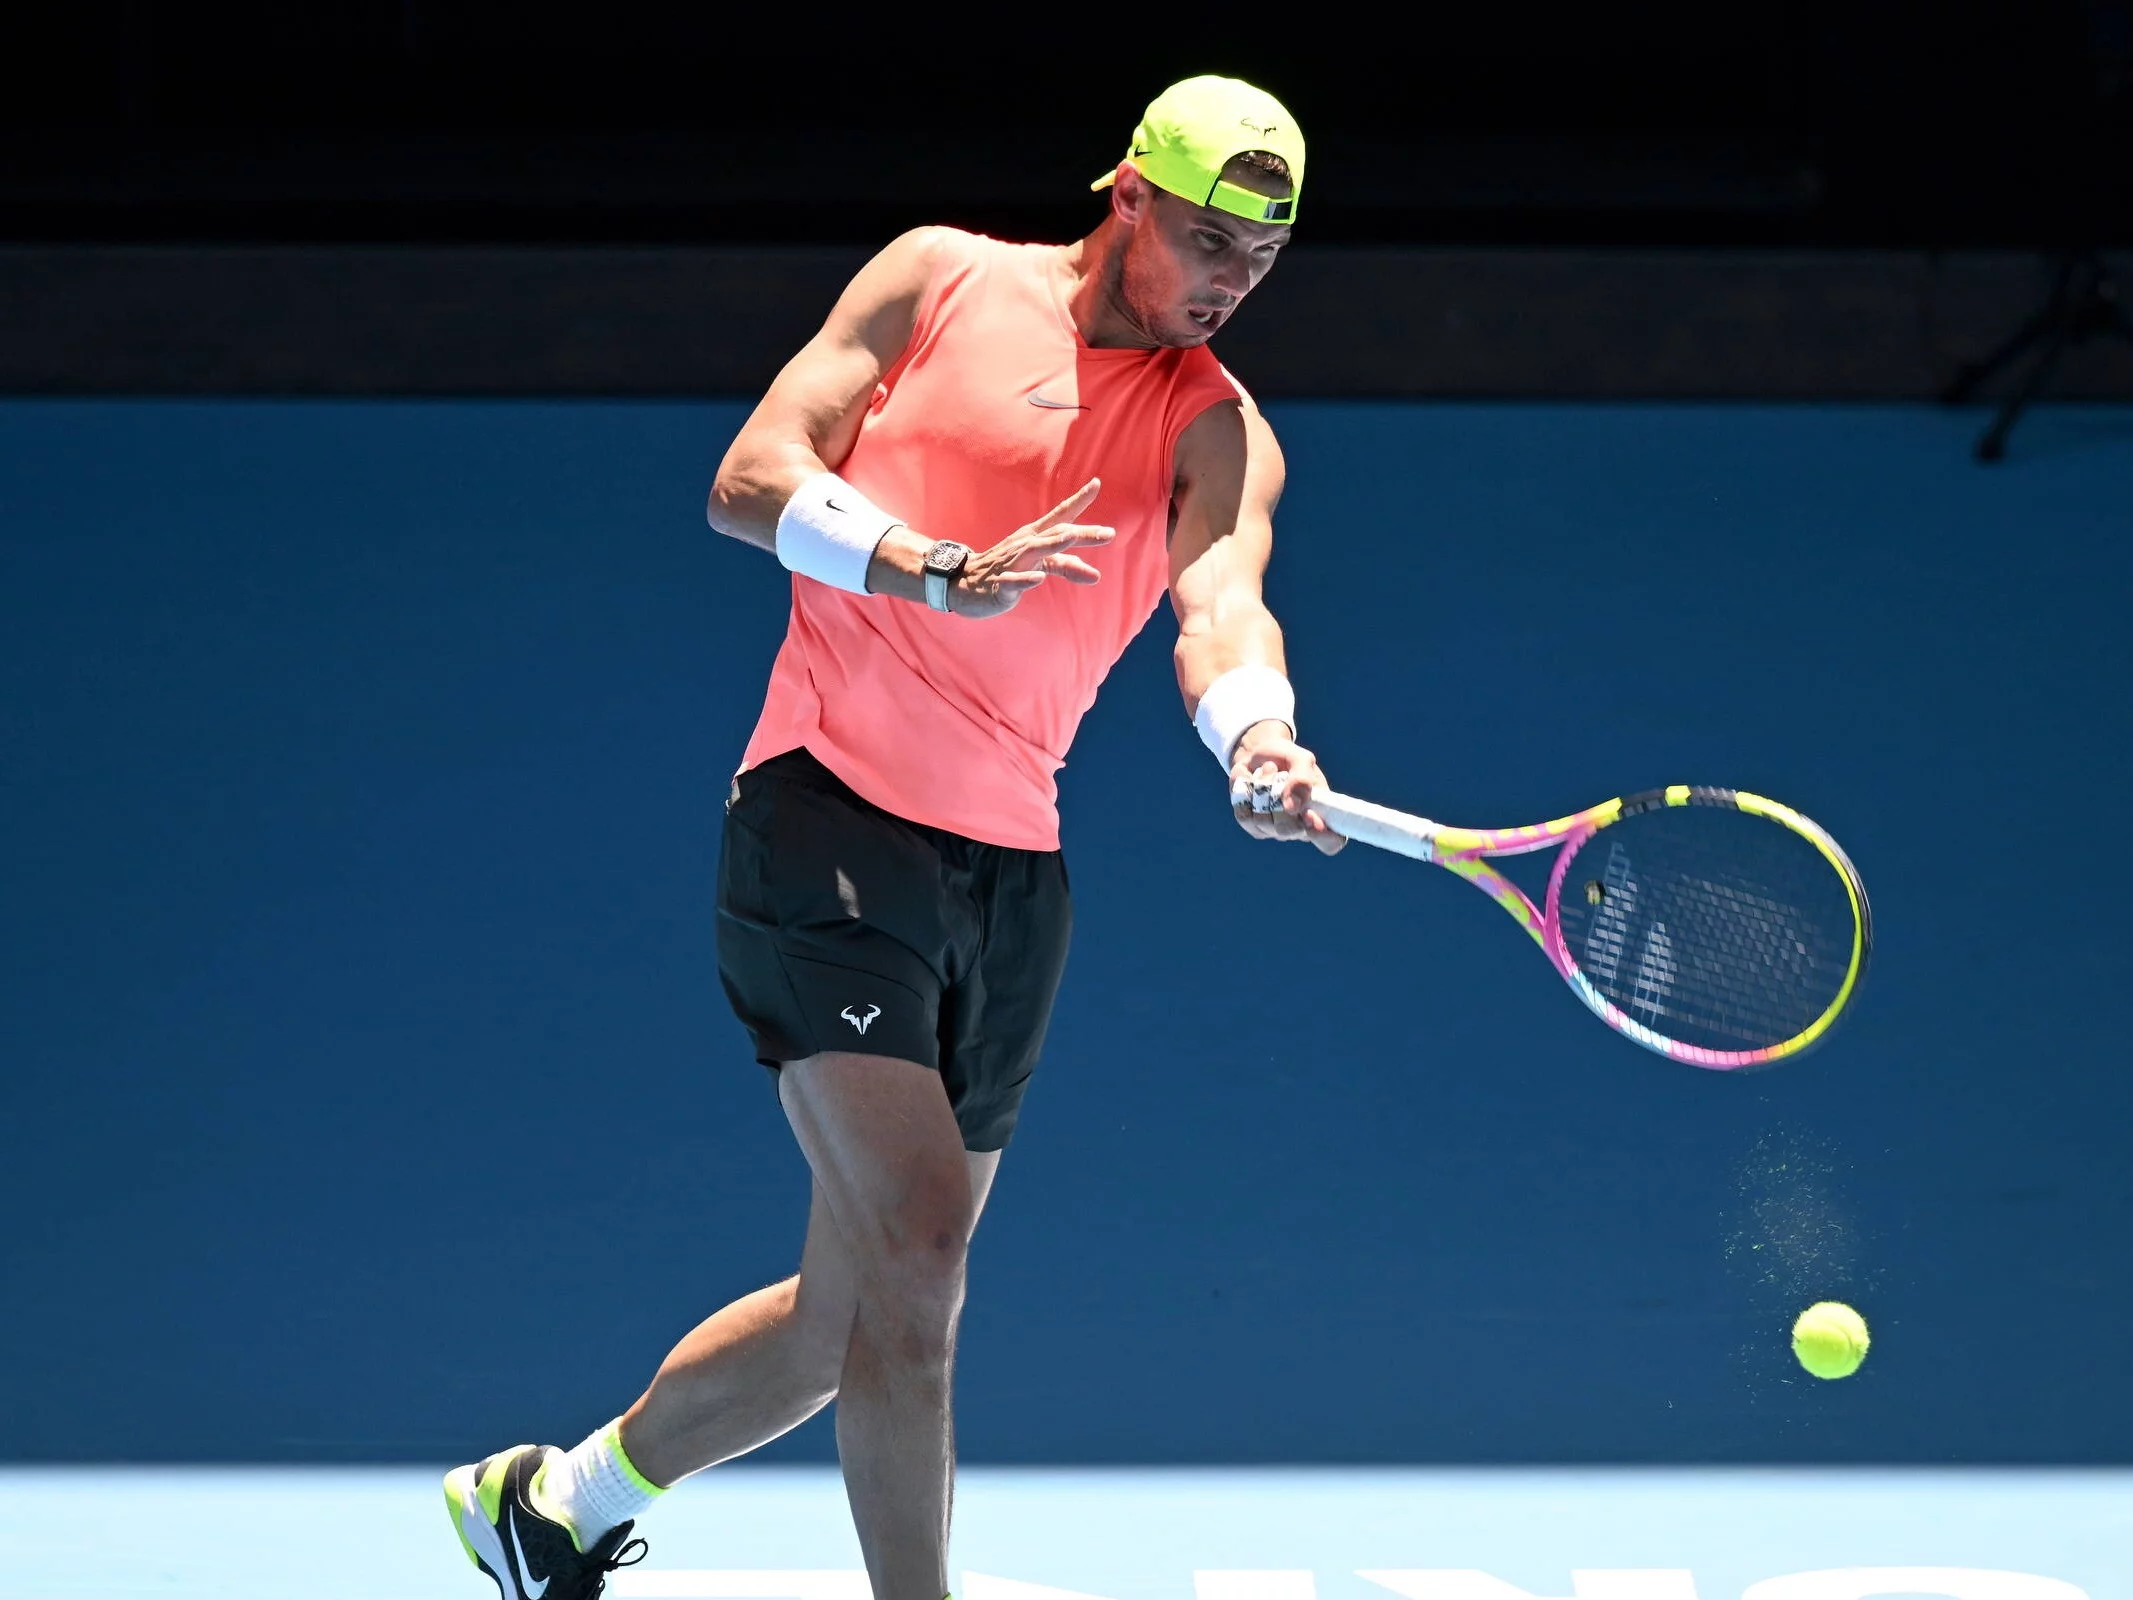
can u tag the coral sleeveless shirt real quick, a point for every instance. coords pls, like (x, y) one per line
(995, 412)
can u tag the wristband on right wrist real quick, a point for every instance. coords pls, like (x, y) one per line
(828, 531)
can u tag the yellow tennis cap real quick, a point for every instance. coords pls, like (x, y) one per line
(1192, 129)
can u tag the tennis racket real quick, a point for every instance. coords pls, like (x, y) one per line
(1710, 925)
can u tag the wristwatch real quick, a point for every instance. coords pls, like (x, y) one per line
(943, 562)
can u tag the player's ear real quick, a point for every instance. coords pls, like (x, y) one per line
(1131, 194)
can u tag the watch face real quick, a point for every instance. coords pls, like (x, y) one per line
(947, 556)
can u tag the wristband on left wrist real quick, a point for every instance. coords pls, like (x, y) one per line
(1239, 701)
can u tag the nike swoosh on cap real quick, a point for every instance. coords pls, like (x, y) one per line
(1036, 398)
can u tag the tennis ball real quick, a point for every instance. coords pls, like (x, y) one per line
(1830, 1339)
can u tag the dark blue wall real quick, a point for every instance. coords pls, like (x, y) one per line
(366, 1091)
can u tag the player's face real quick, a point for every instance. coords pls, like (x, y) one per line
(1188, 267)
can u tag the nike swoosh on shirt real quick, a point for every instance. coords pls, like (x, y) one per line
(534, 1591)
(1036, 398)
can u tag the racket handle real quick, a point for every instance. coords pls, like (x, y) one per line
(1380, 826)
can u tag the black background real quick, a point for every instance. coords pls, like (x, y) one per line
(1892, 123)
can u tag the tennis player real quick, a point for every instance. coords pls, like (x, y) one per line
(984, 472)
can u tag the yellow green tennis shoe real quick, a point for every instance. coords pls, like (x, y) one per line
(530, 1554)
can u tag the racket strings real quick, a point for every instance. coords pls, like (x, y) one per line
(1710, 959)
(1726, 937)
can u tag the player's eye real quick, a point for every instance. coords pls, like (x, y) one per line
(1211, 241)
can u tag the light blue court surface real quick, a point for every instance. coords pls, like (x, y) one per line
(1189, 1534)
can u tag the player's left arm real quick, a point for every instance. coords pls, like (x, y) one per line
(1229, 475)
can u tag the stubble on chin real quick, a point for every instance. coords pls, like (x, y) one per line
(1132, 298)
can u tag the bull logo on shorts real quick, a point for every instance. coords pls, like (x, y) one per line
(856, 1020)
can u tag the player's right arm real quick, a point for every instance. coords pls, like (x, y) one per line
(808, 421)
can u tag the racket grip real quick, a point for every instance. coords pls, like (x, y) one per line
(1380, 826)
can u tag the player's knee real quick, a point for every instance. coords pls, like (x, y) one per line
(923, 1266)
(910, 1333)
(915, 1287)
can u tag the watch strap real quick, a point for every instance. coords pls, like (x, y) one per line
(944, 564)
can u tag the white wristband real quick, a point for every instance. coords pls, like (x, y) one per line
(1236, 700)
(828, 531)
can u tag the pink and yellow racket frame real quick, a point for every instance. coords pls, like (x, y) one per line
(1466, 851)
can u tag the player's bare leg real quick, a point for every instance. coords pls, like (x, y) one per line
(764, 1364)
(750, 1371)
(890, 1161)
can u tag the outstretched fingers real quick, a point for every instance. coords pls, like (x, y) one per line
(1017, 582)
(1068, 534)
(1072, 506)
(1072, 568)
(993, 580)
(1049, 552)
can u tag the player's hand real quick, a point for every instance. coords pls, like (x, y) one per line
(1267, 753)
(992, 581)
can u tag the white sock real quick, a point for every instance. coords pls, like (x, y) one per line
(594, 1487)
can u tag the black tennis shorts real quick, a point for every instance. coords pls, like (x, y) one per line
(843, 927)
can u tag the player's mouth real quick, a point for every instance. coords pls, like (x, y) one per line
(1208, 317)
